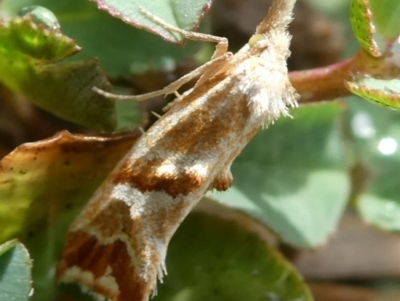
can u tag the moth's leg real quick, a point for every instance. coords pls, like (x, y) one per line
(215, 64)
(221, 46)
(223, 180)
(219, 61)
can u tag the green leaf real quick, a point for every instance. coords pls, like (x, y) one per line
(363, 27)
(375, 141)
(217, 258)
(28, 56)
(44, 185)
(386, 17)
(15, 272)
(380, 211)
(385, 92)
(132, 50)
(185, 14)
(126, 113)
(292, 176)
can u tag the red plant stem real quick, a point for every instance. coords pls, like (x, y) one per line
(323, 83)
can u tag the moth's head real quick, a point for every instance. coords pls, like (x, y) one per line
(258, 43)
(271, 37)
(255, 38)
(274, 43)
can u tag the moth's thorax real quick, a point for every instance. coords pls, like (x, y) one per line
(273, 45)
(264, 89)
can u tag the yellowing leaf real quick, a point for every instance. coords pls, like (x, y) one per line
(43, 185)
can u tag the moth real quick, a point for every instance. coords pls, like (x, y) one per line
(117, 246)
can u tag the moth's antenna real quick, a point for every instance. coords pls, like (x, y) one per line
(279, 16)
